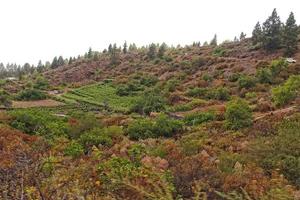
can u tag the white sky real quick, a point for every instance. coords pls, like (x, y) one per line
(41, 29)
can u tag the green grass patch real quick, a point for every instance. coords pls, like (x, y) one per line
(104, 95)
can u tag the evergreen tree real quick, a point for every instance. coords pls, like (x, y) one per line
(60, 61)
(272, 32)
(54, 63)
(162, 49)
(96, 56)
(40, 66)
(242, 36)
(205, 43)
(235, 39)
(90, 53)
(257, 34)
(125, 47)
(152, 51)
(110, 48)
(114, 56)
(70, 60)
(132, 47)
(214, 41)
(290, 35)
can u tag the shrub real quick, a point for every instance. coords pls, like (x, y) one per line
(167, 127)
(171, 85)
(198, 62)
(281, 151)
(74, 149)
(39, 122)
(197, 92)
(219, 51)
(199, 118)
(277, 66)
(188, 106)
(41, 83)
(238, 114)
(162, 126)
(140, 129)
(207, 77)
(95, 137)
(264, 75)
(285, 93)
(5, 99)
(31, 94)
(221, 93)
(80, 123)
(246, 82)
(150, 101)
(234, 77)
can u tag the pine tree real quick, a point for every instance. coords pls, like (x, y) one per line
(214, 41)
(60, 61)
(162, 49)
(40, 66)
(110, 48)
(242, 36)
(90, 53)
(290, 35)
(132, 47)
(205, 43)
(125, 47)
(257, 34)
(54, 63)
(114, 56)
(70, 60)
(272, 32)
(235, 39)
(152, 51)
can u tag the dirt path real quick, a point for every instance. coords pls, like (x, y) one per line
(39, 103)
(276, 112)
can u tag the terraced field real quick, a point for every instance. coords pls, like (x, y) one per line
(101, 95)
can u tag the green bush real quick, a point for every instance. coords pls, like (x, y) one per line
(82, 122)
(74, 149)
(287, 92)
(219, 93)
(219, 51)
(188, 106)
(197, 92)
(199, 118)
(171, 85)
(140, 129)
(234, 77)
(281, 151)
(264, 75)
(151, 101)
(207, 77)
(198, 62)
(238, 114)
(95, 137)
(166, 127)
(41, 83)
(31, 94)
(277, 66)
(39, 122)
(162, 126)
(5, 99)
(246, 82)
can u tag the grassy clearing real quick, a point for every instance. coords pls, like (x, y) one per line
(101, 94)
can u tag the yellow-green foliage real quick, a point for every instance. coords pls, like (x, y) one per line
(285, 93)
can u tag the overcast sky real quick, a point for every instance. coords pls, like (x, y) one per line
(41, 29)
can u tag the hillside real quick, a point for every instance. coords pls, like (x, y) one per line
(195, 122)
